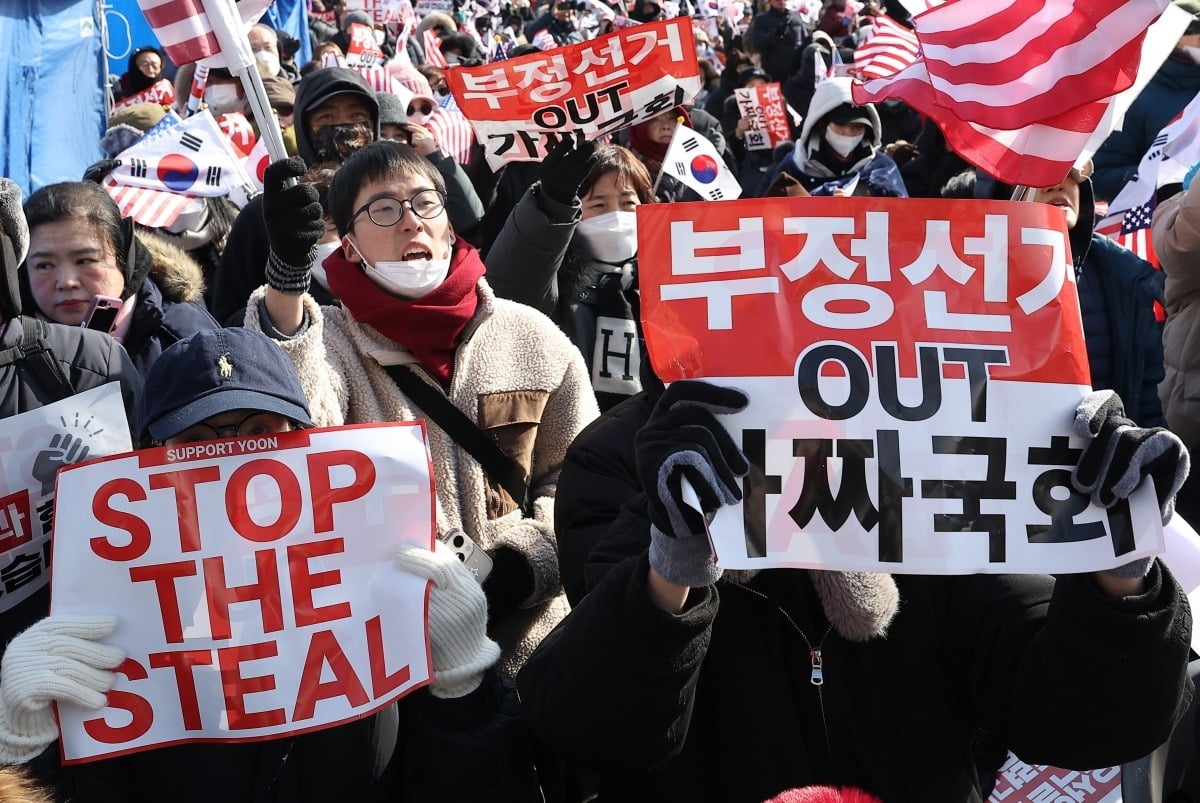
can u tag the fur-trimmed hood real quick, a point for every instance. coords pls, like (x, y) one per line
(174, 271)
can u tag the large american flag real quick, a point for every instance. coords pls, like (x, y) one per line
(451, 130)
(183, 29)
(890, 48)
(1019, 87)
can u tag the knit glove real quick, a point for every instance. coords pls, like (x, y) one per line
(565, 167)
(1120, 455)
(58, 658)
(295, 222)
(683, 439)
(458, 640)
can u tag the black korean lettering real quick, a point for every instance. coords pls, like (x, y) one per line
(664, 101)
(1063, 529)
(893, 488)
(23, 570)
(817, 497)
(972, 492)
(45, 513)
(755, 487)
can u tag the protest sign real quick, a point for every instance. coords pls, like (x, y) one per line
(1018, 782)
(362, 51)
(522, 107)
(913, 369)
(254, 582)
(764, 108)
(33, 447)
(161, 92)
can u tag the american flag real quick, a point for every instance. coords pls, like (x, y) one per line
(433, 49)
(451, 130)
(891, 48)
(544, 40)
(1024, 126)
(152, 208)
(183, 29)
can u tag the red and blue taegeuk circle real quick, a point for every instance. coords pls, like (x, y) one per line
(704, 168)
(177, 172)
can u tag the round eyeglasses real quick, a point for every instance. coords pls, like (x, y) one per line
(387, 211)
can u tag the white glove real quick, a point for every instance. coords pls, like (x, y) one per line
(57, 658)
(458, 639)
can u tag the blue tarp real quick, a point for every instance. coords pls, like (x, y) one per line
(51, 95)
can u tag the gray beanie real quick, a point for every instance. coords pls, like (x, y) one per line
(14, 234)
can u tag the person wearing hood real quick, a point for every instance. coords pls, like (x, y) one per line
(569, 250)
(1119, 298)
(420, 334)
(672, 680)
(336, 113)
(85, 359)
(145, 69)
(839, 145)
(80, 248)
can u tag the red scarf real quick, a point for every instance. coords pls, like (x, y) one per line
(429, 327)
(640, 142)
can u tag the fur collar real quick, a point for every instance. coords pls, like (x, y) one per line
(173, 269)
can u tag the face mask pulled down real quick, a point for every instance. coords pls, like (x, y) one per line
(410, 278)
(611, 236)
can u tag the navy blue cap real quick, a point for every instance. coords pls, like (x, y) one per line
(215, 371)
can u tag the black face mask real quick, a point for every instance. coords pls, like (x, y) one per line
(335, 143)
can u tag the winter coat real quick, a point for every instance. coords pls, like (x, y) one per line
(89, 359)
(517, 377)
(1176, 236)
(778, 38)
(170, 303)
(812, 163)
(717, 702)
(1172, 87)
(1118, 293)
(536, 260)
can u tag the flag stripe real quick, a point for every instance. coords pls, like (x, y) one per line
(891, 48)
(174, 11)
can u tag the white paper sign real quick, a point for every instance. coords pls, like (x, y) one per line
(254, 582)
(33, 446)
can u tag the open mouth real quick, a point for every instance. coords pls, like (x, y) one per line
(416, 252)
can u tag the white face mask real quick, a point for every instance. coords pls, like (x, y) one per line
(222, 98)
(611, 236)
(192, 218)
(841, 143)
(411, 279)
(270, 60)
(318, 265)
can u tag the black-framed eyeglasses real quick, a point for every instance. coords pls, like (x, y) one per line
(256, 423)
(424, 108)
(387, 211)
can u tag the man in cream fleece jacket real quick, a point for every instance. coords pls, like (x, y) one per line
(414, 298)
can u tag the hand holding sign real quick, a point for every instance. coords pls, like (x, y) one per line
(1121, 454)
(458, 641)
(57, 658)
(683, 439)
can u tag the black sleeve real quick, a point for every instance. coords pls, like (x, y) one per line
(243, 264)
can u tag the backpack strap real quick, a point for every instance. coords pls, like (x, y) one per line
(34, 352)
(465, 432)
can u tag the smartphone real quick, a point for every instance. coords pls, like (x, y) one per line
(478, 561)
(102, 313)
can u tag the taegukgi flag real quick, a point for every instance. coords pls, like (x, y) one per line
(692, 160)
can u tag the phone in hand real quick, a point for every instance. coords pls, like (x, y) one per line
(475, 559)
(102, 313)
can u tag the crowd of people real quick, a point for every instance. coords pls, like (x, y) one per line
(381, 276)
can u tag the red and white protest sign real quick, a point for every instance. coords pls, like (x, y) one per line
(913, 369)
(363, 51)
(33, 446)
(254, 581)
(521, 107)
(161, 92)
(766, 111)
(1018, 782)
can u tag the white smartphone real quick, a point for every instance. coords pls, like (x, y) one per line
(478, 561)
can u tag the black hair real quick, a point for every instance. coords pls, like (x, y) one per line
(378, 161)
(80, 202)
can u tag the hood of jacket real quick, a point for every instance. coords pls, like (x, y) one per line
(834, 92)
(319, 85)
(1080, 237)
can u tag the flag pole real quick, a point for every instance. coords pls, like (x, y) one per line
(225, 20)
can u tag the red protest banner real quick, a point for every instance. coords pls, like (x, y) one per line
(521, 107)
(363, 51)
(161, 92)
(886, 346)
(1018, 782)
(254, 581)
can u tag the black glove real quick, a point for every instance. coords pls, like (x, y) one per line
(294, 222)
(98, 170)
(565, 167)
(1121, 454)
(683, 439)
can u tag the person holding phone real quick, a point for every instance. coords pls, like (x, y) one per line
(89, 266)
